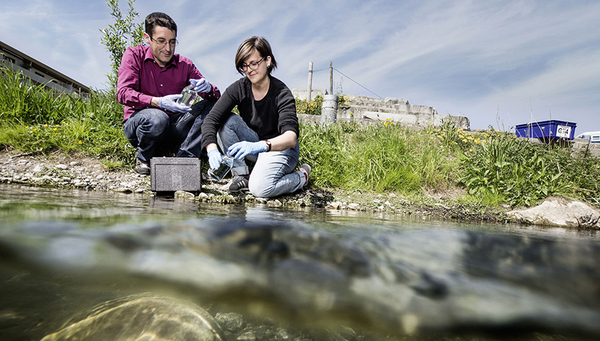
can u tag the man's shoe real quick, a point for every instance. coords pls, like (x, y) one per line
(306, 169)
(239, 183)
(142, 167)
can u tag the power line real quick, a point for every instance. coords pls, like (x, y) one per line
(350, 79)
(357, 83)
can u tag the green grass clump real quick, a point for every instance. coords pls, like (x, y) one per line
(35, 119)
(375, 157)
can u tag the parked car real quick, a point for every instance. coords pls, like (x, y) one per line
(592, 136)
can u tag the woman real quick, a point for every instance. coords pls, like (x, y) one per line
(265, 132)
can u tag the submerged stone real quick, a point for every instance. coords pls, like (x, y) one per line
(144, 318)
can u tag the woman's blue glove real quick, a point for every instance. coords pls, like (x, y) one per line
(201, 85)
(214, 158)
(169, 103)
(239, 150)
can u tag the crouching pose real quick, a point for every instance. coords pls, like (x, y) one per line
(265, 132)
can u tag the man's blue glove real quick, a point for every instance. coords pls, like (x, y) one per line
(239, 150)
(201, 85)
(214, 158)
(169, 103)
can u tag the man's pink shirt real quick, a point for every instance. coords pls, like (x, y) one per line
(141, 78)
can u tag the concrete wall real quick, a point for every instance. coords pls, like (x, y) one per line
(301, 93)
(583, 147)
(397, 110)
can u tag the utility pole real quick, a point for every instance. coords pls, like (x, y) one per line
(310, 74)
(331, 78)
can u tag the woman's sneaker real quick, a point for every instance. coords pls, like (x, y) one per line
(306, 169)
(239, 183)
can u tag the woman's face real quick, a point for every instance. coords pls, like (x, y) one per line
(255, 67)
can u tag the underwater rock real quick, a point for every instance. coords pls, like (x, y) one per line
(143, 318)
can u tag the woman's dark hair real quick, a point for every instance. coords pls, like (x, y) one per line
(259, 44)
(159, 19)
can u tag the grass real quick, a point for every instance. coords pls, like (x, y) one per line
(492, 167)
(34, 119)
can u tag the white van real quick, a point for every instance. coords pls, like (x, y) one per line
(592, 136)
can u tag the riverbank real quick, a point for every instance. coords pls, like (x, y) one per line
(70, 171)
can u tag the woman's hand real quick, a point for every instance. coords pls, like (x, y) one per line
(214, 158)
(241, 149)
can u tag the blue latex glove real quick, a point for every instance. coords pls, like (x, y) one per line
(214, 158)
(169, 103)
(201, 85)
(239, 150)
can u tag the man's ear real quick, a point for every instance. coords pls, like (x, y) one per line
(146, 38)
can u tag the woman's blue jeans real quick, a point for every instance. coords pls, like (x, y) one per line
(273, 173)
(150, 128)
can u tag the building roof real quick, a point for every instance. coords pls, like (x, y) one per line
(38, 71)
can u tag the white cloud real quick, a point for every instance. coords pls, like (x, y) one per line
(459, 56)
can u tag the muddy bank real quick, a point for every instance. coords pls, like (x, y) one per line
(85, 173)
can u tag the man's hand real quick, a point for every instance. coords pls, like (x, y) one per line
(169, 103)
(239, 150)
(201, 85)
(214, 158)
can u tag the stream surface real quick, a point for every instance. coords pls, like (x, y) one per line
(67, 255)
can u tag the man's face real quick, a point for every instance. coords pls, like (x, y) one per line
(162, 43)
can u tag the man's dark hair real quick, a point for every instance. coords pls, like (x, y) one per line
(159, 19)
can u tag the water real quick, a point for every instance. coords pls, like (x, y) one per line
(296, 274)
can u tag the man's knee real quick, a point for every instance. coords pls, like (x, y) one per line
(155, 123)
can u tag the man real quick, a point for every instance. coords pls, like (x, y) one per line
(150, 81)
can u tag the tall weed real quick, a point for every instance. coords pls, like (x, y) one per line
(25, 102)
(374, 157)
(515, 169)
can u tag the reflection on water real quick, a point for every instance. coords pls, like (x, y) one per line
(63, 252)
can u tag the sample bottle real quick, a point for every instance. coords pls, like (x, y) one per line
(188, 96)
(224, 168)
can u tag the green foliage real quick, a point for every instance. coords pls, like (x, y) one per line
(310, 108)
(120, 35)
(515, 169)
(374, 157)
(36, 119)
(27, 103)
(583, 175)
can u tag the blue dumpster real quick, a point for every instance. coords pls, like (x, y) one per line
(547, 130)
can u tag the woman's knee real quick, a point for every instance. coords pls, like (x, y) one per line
(261, 188)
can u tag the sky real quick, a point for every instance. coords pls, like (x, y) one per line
(499, 63)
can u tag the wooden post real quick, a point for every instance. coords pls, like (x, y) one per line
(310, 74)
(331, 78)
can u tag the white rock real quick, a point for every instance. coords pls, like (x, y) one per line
(561, 212)
(183, 196)
(335, 205)
(274, 203)
(354, 206)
